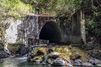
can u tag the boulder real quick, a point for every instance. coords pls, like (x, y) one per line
(98, 65)
(50, 60)
(94, 61)
(59, 62)
(39, 52)
(54, 55)
(77, 62)
(87, 64)
(50, 51)
(37, 60)
(4, 55)
(22, 50)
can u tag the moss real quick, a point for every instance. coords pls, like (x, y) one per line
(15, 8)
(77, 45)
(65, 52)
(14, 47)
(79, 51)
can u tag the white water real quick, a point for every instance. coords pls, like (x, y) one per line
(22, 59)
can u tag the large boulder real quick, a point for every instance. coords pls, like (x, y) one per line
(4, 55)
(94, 61)
(22, 50)
(87, 64)
(59, 62)
(78, 62)
(39, 52)
(54, 55)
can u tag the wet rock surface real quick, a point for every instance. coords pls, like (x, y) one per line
(22, 50)
(59, 57)
(77, 62)
(3, 54)
(50, 56)
(59, 62)
(39, 52)
(87, 64)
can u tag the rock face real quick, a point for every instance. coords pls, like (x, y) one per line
(22, 50)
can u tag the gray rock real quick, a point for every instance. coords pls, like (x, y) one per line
(38, 61)
(77, 62)
(59, 62)
(4, 55)
(98, 64)
(94, 61)
(22, 50)
(39, 53)
(87, 64)
(54, 55)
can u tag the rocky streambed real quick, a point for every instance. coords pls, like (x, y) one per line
(61, 56)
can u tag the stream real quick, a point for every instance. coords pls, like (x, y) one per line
(17, 62)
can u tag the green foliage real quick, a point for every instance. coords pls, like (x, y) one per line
(63, 6)
(21, 7)
(93, 26)
(2, 32)
(42, 5)
(14, 8)
(54, 6)
(2, 29)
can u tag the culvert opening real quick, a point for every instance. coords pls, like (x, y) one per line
(52, 32)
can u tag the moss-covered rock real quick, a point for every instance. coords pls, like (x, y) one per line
(64, 52)
(14, 47)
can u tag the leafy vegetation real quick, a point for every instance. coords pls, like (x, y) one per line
(93, 25)
(14, 8)
(64, 8)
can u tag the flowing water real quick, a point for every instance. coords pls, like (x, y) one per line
(17, 62)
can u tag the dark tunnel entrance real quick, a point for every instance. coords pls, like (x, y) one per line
(52, 32)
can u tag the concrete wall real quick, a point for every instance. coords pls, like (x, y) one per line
(28, 29)
(31, 26)
(71, 29)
